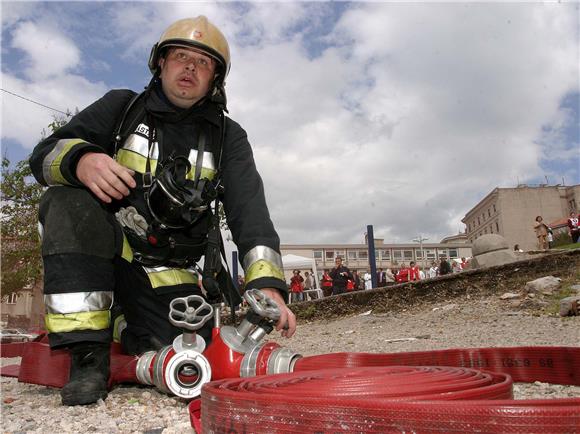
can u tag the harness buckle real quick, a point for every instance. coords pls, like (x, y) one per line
(147, 179)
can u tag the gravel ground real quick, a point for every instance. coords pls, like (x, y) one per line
(459, 323)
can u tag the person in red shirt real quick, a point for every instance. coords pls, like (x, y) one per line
(574, 227)
(326, 284)
(403, 274)
(297, 286)
(414, 271)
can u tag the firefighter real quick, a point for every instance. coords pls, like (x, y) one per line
(128, 213)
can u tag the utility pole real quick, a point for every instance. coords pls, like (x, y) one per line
(420, 240)
(372, 259)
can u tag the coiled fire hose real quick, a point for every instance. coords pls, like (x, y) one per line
(377, 393)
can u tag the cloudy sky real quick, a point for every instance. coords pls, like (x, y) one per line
(400, 115)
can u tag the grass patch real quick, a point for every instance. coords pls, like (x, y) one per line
(308, 312)
(570, 246)
(553, 307)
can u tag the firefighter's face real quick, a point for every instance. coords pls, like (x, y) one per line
(186, 75)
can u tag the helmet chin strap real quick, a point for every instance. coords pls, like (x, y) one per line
(218, 96)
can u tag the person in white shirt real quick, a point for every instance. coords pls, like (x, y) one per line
(389, 275)
(433, 271)
(368, 280)
(421, 274)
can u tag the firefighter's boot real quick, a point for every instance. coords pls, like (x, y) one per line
(89, 374)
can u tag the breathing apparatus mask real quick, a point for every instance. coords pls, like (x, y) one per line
(174, 201)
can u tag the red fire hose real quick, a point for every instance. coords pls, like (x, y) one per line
(456, 391)
(445, 391)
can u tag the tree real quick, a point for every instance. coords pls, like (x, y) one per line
(21, 261)
(20, 196)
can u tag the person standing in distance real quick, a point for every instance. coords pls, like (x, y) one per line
(340, 275)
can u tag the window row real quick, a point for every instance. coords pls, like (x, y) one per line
(481, 219)
(386, 255)
(487, 230)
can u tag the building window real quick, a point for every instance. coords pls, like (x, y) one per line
(408, 255)
(12, 298)
(351, 255)
(442, 253)
(488, 213)
(478, 221)
(497, 227)
(329, 254)
(363, 254)
(494, 210)
(386, 254)
(418, 254)
(317, 254)
(453, 253)
(339, 253)
(491, 229)
(397, 255)
(429, 253)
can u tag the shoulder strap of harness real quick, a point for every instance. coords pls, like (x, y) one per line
(127, 125)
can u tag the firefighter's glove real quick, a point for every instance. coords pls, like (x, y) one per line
(130, 218)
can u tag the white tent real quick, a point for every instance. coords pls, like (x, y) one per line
(291, 262)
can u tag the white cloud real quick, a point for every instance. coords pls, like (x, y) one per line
(23, 121)
(431, 108)
(48, 53)
(401, 115)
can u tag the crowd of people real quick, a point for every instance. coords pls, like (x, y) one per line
(341, 279)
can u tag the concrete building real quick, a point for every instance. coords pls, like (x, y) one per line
(355, 256)
(511, 212)
(24, 309)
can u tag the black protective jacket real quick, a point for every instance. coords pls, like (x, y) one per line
(54, 161)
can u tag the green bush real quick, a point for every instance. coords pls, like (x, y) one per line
(561, 239)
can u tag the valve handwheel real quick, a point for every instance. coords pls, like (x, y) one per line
(194, 312)
(190, 314)
(263, 305)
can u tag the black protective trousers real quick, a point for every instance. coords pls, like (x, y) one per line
(81, 248)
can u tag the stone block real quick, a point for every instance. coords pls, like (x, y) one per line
(544, 285)
(492, 259)
(569, 306)
(490, 250)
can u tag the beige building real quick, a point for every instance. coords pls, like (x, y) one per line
(511, 212)
(24, 309)
(355, 256)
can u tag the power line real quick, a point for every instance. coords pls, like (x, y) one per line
(37, 103)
